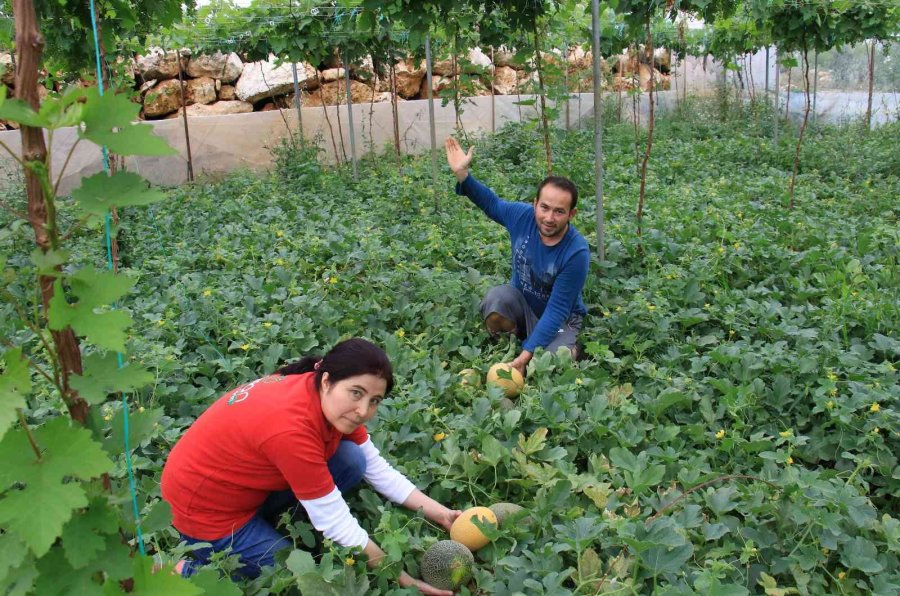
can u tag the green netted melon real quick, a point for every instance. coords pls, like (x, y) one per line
(504, 510)
(447, 565)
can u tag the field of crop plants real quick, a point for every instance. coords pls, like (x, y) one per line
(732, 429)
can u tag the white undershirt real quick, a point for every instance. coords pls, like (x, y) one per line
(331, 515)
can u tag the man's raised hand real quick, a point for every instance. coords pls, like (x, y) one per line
(457, 159)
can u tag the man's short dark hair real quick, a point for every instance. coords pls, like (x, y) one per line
(562, 183)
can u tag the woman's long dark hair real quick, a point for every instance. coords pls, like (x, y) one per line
(347, 359)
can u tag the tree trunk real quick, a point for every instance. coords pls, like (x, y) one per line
(41, 209)
(540, 71)
(777, 111)
(640, 209)
(493, 98)
(432, 133)
(802, 127)
(566, 81)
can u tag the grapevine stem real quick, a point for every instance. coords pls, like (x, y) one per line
(34, 447)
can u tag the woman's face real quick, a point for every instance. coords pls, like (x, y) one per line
(351, 402)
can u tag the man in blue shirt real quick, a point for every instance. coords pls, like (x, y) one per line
(542, 304)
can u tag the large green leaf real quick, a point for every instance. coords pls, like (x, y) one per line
(59, 578)
(861, 554)
(213, 584)
(140, 428)
(103, 376)
(147, 583)
(108, 121)
(100, 192)
(83, 534)
(44, 485)
(12, 554)
(16, 110)
(93, 289)
(48, 261)
(15, 384)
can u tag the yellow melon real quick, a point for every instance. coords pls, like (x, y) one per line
(510, 379)
(467, 533)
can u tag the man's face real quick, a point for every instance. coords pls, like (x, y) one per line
(552, 212)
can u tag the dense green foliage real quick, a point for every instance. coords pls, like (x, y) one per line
(733, 429)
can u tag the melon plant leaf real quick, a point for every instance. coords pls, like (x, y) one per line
(860, 554)
(300, 562)
(82, 536)
(141, 426)
(100, 192)
(662, 559)
(720, 500)
(38, 510)
(108, 121)
(15, 384)
(20, 581)
(213, 584)
(159, 517)
(103, 376)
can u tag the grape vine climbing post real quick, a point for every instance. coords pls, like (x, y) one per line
(350, 115)
(598, 131)
(815, 85)
(297, 99)
(431, 130)
(777, 109)
(187, 135)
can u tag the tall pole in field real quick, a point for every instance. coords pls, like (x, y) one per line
(598, 131)
(297, 99)
(815, 85)
(767, 71)
(777, 110)
(428, 83)
(350, 115)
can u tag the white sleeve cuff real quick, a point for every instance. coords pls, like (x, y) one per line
(384, 478)
(331, 516)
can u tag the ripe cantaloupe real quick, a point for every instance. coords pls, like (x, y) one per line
(511, 382)
(447, 565)
(504, 510)
(467, 533)
(470, 376)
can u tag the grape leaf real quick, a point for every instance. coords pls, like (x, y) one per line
(108, 121)
(100, 192)
(103, 376)
(66, 452)
(15, 384)
(82, 535)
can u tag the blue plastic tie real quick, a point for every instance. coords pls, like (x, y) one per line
(107, 228)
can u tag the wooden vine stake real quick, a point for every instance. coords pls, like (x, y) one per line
(41, 207)
(640, 209)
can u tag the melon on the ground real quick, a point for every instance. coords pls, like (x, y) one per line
(511, 382)
(447, 565)
(470, 376)
(467, 533)
(504, 510)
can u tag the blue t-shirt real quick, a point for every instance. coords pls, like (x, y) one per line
(550, 277)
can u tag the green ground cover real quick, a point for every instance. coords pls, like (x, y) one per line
(733, 429)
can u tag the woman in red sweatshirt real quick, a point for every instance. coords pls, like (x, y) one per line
(300, 434)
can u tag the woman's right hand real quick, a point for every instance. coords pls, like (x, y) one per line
(408, 581)
(457, 159)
